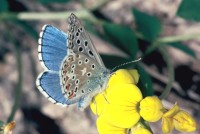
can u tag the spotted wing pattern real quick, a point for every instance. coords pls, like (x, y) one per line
(79, 75)
(79, 40)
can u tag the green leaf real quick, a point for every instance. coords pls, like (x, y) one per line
(53, 1)
(113, 61)
(183, 48)
(189, 10)
(149, 26)
(145, 82)
(122, 37)
(4, 6)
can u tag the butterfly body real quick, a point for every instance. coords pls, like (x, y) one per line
(81, 74)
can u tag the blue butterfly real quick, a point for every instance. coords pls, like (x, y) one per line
(74, 71)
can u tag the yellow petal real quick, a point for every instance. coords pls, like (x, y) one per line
(184, 122)
(98, 104)
(122, 76)
(167, 125)
(140, 130)
(150, 109)
(9, 127)
(170, 113)
(121, 109)
(135, 75)
(104, 127)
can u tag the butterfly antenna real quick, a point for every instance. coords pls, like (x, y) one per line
(126, 64)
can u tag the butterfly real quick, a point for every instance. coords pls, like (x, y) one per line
(74, 71)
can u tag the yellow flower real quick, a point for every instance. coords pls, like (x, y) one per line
(117, 106)
(151, 109)
(184, 122)
(179, 119)
(167, 125)
(121, 76)
(122, 108)
(170, 113)
(140, 130)
(104, 127)
(9, 127)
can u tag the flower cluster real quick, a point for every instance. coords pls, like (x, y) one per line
(121, 109)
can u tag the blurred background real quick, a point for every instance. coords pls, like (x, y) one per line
(165, 33)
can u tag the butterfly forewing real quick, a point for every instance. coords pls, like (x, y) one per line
(79, 41)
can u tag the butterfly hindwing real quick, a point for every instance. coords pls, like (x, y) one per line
(78, 76)
(52, 47)
(48, 83)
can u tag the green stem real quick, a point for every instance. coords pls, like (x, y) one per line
(19, 84)
(163, 40)
(170, 72)
(177, 38)
(84, 14)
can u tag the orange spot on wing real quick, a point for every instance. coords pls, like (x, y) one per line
(71, 95)
(67, 86)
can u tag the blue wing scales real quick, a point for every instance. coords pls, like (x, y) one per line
(52, 47)
(48, 83)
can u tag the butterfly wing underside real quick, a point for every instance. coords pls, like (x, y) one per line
(81, 69)
(79, 40)
(78, 73)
